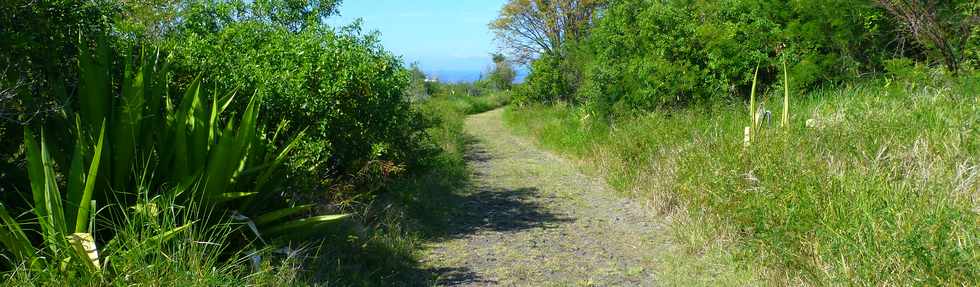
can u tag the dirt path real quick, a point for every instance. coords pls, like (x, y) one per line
(533, 220)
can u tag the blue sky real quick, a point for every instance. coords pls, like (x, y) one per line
(448, 38)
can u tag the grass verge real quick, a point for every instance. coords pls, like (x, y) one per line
(386, 248)
(874, 183)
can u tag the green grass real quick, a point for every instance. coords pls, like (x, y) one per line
(393, 228)
(164, 242)
(469, 105)
(881, 191)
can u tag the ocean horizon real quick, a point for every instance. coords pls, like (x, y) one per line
(466, 76)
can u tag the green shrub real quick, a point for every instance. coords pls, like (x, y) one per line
(547, 83)
(39, 41)
(340, 84)
(972, 48)
(649, 54)
(907, 71)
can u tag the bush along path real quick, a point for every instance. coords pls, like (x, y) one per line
(531, 219)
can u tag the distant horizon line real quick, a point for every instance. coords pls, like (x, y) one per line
(463, 75)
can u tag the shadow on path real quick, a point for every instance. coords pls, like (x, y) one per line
(456, 276)
(480, 205)
(502, 210)
(451, 202)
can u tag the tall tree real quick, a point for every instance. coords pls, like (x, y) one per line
(528, 28)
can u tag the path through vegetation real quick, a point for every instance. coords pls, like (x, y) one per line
(531, 219)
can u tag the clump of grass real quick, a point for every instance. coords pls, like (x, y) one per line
(882, 192)
(164, 242)
(468, 104)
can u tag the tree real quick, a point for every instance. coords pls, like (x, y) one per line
(502, 75)
(417, 88)
(149, 19)
(528, 28)
(295, 14)
(940, 26)
(209, 16)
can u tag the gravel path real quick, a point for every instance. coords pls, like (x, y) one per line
(532, 219)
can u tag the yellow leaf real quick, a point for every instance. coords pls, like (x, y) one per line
(84, 244)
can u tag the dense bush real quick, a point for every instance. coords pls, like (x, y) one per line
(39, 43)
(38, 63)
(940, 29)
(972, 50)
(339, 83)
(647, 54)
(651, 53)
(179, 142)
(547, 82)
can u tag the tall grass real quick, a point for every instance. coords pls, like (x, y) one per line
(880, 190)
(160, 240)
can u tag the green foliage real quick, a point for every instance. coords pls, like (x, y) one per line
(237, 90)
(971, 47)
(689, 52)
(195, 155)
(418, 87)
(876, 191)
(502, 74)
(39, 44)
(211, 16)
(648, 54)
(907, 71)
(547, 82)
(340, 84)
(941, 29)
(39, 41)
(160, 242)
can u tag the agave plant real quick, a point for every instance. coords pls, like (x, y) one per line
(66, 235)
(192, 147)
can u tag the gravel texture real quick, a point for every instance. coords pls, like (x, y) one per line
(532, 219)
